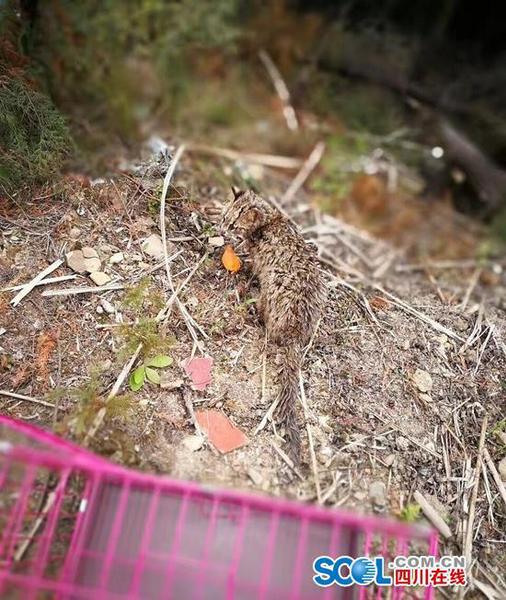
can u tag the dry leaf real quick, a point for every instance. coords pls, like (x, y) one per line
(230, 260)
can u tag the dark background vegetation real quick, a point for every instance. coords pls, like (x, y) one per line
(82, 82)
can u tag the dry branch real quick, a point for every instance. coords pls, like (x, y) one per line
(281, 90)
(35, 281)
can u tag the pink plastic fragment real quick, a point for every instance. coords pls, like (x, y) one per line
(222, 433)
(199, 371)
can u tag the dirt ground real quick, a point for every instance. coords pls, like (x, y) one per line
(407, 363)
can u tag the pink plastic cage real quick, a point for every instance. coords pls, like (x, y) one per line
(74, 526)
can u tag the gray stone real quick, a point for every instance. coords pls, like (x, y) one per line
(80, 263)
(193, 442)
(89, 252)
(100, 278)
(377, 494)
(216, 241)
(107, 306)
(422, 380)
(116, 258)
(153, 246)
(501, 467)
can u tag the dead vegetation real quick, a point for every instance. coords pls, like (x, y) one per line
(404, 381)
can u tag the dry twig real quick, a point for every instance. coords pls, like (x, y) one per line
(27, 288)
(25, 398)
(305, 171)
(94, 289)
(281, 90)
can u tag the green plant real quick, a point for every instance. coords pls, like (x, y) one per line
(147, 372)
(88, 399)
(410, 513)
(34, 137)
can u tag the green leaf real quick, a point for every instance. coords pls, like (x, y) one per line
(152, 375)
(160, 361)
(137, 378)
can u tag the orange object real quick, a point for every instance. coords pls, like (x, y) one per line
(230, 260)
(222, 434)
(199, 370)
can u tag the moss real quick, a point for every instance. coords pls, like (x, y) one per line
(34, 136)
(87, 400)
(143, 297)
(144, 332)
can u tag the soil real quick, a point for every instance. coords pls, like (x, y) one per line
(404, 368)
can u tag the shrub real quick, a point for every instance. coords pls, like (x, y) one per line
(34, 137)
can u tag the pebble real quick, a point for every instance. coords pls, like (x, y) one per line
(390, 460)
(100, 278)
(193, 442)
(107, 306)
(75, 232)
(99, 310)
(83, 261)
(89, 252)
(117, 258)
(153, 246)
(501, 467)
(377, 494)
(422, 380)
(217, 241)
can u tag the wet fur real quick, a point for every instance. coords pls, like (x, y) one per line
(292, 292)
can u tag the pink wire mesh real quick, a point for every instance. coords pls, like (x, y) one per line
(74, 526)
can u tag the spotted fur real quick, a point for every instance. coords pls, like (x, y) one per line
(292, 292)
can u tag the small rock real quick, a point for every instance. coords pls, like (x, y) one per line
(255, 477)
(100, 310)
(89, 252)
(74, 233)
(80, 263)
(422, 380)
(117, 258)
(153, 246)
(377, 494)
(402, 443)
(75, 260)
(216, 242)
(390, 460)
(107, 306)
(144, 402)
(502, 436)
(100, 278)
(193, 442)
(501, 467)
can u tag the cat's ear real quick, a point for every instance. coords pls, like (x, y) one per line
(236, 191)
